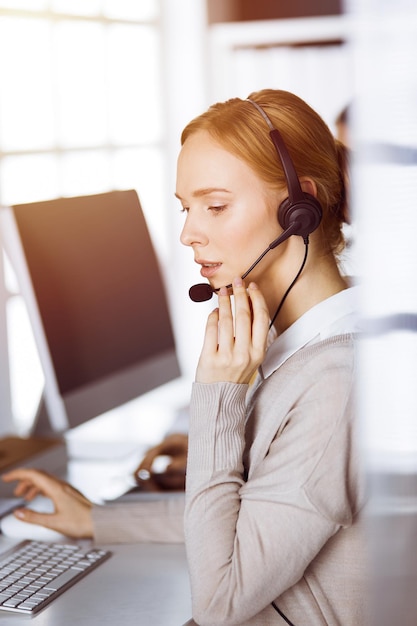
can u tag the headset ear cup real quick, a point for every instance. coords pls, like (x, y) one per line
(306, 212)
(282, 213)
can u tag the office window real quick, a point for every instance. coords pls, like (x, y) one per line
(80, 113)
(80, 81)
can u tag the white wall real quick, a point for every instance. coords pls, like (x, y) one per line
(185, 75)
(291, 54)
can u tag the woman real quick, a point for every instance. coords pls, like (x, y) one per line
(274, 488)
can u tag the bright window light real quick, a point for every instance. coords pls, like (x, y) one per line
(134, 92)
(78, 54)
(131, 9)
(26, 104)
(84, 172)
(143, 169)
(76, 7)
(28, 178)
(30, 5)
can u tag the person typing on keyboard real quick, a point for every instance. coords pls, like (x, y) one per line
(77, 517)
(33, 573)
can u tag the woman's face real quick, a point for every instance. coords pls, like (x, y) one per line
(231, 214)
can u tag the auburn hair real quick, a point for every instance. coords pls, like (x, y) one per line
(238, 127)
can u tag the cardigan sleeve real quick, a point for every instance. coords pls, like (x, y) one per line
(159, 521)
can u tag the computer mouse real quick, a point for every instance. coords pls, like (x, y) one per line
(11, 526)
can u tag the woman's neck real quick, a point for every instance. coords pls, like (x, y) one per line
(319, 280)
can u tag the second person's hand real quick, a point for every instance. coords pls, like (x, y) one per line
(174, 446)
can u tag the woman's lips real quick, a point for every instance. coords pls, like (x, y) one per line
(209, 269)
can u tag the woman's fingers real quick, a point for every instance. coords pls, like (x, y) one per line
(243, 315)
(225, 331)
(29, 492)
(48, 520)
(72, 511)
(251, 327)
(234, 344)
(211, 336)
(260, 325)
(30, 482)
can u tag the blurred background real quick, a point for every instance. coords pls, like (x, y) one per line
(93, 97)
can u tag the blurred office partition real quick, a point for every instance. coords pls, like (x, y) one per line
(385, 191)
(310, 56)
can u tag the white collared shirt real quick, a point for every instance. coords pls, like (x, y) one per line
(336, 315)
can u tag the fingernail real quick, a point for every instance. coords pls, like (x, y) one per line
(223, 291)
(144, 474)
(253, 286)
(19, 513)
(237, 282)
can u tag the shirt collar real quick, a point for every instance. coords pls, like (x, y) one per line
(336, 315)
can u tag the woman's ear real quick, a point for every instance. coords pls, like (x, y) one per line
(309, 186)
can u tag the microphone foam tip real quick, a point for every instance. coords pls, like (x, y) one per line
(200, 292)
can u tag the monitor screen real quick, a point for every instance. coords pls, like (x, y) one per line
(96, 299)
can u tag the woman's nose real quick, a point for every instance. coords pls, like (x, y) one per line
(191, 234)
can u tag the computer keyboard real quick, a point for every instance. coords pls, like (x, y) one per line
(34, 573)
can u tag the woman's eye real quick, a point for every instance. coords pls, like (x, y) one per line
(217, 208)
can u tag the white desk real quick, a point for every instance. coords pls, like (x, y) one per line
(140, 585)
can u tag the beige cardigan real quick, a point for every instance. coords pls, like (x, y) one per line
(272, 506)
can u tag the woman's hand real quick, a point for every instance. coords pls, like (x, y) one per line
(234, 349)
(174, 446)
(72, 514)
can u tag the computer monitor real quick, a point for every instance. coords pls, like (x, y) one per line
(96, 299)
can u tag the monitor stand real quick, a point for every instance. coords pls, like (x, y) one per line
(41, 426)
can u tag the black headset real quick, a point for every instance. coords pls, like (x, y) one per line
(300, 210)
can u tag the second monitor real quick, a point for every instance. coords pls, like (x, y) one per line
(96, 299)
